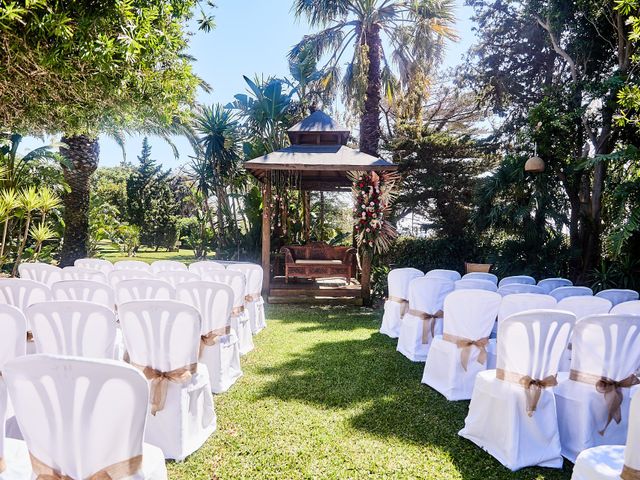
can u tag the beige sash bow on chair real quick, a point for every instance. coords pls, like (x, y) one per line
(404, 304)
(3, 465)
(159, 382)
(428, 323)
(465, 344)
(629, 473)
(252, 297)
(30, 336)
(212, 337)
(237, 311)
(119, 470)
(532, 386)
(611, 389)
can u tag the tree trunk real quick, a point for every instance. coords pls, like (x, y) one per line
(370, 119)
(82, 153)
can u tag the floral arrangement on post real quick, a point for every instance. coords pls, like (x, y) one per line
(372, 194)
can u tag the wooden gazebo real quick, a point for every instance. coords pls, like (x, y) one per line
(319, 160)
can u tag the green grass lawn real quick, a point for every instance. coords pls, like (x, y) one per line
(109, 252)
(324, 395)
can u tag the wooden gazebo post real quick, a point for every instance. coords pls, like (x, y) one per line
(266, 236)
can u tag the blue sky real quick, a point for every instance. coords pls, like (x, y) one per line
(251, 37)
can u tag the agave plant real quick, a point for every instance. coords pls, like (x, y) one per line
(40, 234)
(30, 202)
(9, 202)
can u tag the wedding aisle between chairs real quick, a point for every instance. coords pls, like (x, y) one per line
(324, 395)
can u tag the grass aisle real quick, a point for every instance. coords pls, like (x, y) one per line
(324, 395)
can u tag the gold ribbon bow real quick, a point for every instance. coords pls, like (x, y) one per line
(404, 304)
(237, 311)
(532, 386)
(159, 382)
(123, 469)
(211, 338)
(629, 473)
(428, 323)
(465, 344)
(611, 389)
(252, 297)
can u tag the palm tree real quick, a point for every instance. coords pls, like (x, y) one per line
(414, 29)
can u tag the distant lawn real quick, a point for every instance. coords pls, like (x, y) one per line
(108, 252)
(324, 395)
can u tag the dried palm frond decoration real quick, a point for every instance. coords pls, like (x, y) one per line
(372, 194)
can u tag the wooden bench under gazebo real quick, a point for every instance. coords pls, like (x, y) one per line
(318, 159)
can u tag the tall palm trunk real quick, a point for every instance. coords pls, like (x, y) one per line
(82, 153)
(370, 119)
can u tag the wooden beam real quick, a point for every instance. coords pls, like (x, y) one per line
(266, 236)
(365, 277)
(306, 207)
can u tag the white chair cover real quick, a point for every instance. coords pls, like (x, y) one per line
(21, 293)
(79, 416)
(468, 315)
(119, 275)
(73, 327)
(618, 295)
(607, 346)
(426, 295)
(82, 273)
(239, 317)
(254, 303)
(132, 265)
(518, 279)
(564, 292)
(529, 344)
(143, 289)
(160, 266)
(631, 308)
(205, 265)
(214, 301)
(475, 284)
(398, 281)
(441, 273)
(514, 288)
(40, 272)
(176, 278)
(13, 330)
(86, 291)
(550, 284)
(104, 266)
(490, 277)
(165, 336)
(607, 462)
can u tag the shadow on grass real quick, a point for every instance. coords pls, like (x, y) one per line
(342, 374)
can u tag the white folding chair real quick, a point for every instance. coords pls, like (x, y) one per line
(618, 295)
(443, 273)
(604, 357)
(40, 272)
(160, 266)
(631, 308)
(512, 414)
(73, 327)
(132, 265)
(219, 348)
(475, 284)
(82, 418)
(104, 266)
(162, 338)
(457, 355)
(13, 330)
(612, 462)
(86, 291)
(117, 276)
(518, 279)
(423, 320)
(143, 289)
(21, 293)
(82, 273)
(550, 284)
(175, 277)
(205, 265)
(239, 317)
(514, 288)
(516, 303)
(254, 303)
(564, 292)
(397, 304)
(489, 277)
